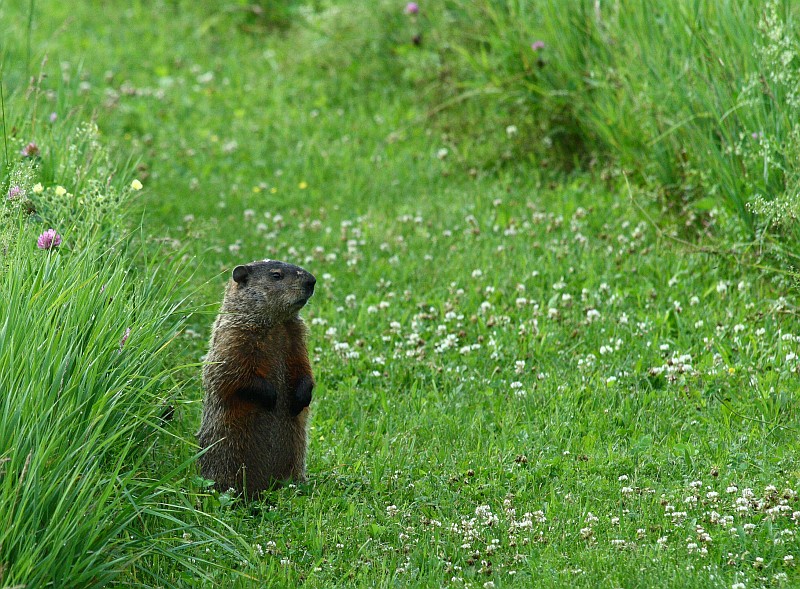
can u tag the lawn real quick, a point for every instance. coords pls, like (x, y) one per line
(527, 375)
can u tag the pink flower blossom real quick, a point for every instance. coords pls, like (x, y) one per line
(15, 192)
(30, 150)
(412, 8)
(537, 45)
(48, 240)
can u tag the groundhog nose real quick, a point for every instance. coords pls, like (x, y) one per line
(311, 281)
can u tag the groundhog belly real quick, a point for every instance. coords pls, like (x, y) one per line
(278, 447)
(256, 451)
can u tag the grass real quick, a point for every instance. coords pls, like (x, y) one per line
(84, 369)
(693, 100)
(524, 378)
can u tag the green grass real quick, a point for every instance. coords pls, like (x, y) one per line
(521, 378)
(693, 100)
(86, 381)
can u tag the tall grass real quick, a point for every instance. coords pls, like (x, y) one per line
(85, 377)
(86, 373)
(696, 100)
(76, 404)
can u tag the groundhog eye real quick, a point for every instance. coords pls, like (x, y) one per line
(276, 274)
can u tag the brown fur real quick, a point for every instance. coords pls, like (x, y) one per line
(257, 335)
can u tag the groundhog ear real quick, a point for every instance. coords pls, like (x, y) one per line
(240, 274)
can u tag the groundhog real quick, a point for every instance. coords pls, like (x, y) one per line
(258, 381)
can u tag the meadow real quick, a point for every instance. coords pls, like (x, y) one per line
(555, 332)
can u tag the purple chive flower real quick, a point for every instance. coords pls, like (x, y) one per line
(15, 192)
(48, 240)
(412, 8)
(124, 338)
(30, 150)
(537, 45)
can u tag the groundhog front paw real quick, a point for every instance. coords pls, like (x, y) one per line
(302, 395)
(261, 392)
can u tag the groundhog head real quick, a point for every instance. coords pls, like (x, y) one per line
(269, 289)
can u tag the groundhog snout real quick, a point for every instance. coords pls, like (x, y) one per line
(309, 283)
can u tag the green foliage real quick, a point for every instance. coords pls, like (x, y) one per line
(86, 372)
(520, 379)
(695, 100)
(265, 15)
